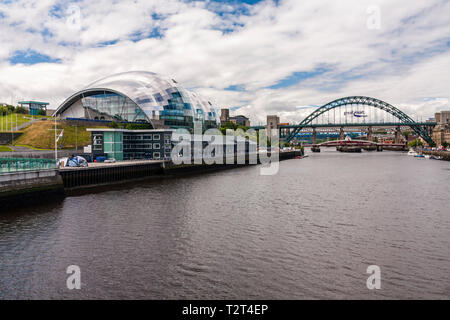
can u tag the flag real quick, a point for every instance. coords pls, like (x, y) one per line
(60, 135)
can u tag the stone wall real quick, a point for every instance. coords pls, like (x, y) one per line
(21, 185)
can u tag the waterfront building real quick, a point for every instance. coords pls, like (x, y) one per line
(122, 144)
(240, 120)
(157, 144)
(237, 120)
(34, 106)
(441, 133)
(140, 97)
(224, 115)
(273, 122)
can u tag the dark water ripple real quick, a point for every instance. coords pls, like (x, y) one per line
(308, 232)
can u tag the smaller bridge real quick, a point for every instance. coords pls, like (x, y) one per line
(356, 143)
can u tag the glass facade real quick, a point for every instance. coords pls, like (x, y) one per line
(113, 145)
(112, 106)
(143, 146)
(131, 144)
(142, 97)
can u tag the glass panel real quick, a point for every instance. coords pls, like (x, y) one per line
(112, 107)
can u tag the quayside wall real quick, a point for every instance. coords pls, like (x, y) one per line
(444, 154)
(15, 187)
(97, 175)
(28, 186)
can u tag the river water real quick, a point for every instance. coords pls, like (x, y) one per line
(309, 232)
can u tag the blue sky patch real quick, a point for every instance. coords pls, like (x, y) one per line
(140, 35)
(233, 87)
(297, 77)
(31, 57)
(108, 43)
(251, 2)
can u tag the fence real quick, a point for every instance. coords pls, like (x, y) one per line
(8, 165)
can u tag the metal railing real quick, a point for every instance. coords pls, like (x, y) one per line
(8, 165)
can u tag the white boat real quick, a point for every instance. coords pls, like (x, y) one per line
(411, 152)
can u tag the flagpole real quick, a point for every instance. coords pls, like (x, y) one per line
(56, 143)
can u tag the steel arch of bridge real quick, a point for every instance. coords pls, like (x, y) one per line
(359, 100)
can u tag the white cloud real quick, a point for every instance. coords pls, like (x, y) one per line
(405, 63)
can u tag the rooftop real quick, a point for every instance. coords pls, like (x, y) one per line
(34, 102)
(128, 130)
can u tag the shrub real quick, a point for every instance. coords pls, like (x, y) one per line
(21, 110)
(113, 125)
(3, 110)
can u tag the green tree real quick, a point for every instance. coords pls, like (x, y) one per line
(415, 143)
(138, 126)
(21, 110)
(3, 110)
(113, 125)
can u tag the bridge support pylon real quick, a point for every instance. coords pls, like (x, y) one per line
(341, 133)
(398, 135)
(369, 134)
(314, 136)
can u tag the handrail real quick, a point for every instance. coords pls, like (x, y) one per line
(8, 165)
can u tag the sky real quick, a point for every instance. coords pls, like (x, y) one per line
(256, 57)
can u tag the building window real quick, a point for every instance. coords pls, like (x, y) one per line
(156, 146)
(156, 137)
(98, 142)
(156, 155)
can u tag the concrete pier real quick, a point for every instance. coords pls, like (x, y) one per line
(109, 173)
(112, 173)
(26, 185)
(38, 184)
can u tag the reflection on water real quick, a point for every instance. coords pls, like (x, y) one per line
(308, 232)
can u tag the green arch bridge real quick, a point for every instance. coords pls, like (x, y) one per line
(423, 129)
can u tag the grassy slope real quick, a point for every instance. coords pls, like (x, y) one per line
(5, 121)
(41, 135)
(5, 149)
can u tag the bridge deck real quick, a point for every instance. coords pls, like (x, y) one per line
(339, 125)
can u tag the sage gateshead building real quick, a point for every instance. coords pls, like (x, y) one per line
(140, 97)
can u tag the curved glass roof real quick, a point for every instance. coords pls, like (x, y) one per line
(155, 96)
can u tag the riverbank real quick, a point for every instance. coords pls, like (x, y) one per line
(96, 175)
(69, 181)
(444, 154)
(27, 187)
